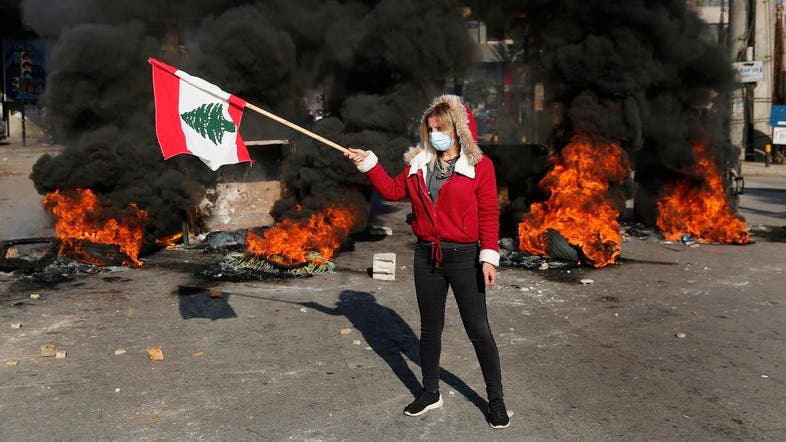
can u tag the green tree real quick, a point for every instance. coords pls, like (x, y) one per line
(208, 120)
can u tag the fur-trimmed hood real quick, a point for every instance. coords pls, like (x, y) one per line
(469, 147)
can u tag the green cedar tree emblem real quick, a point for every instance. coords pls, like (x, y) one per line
(208, 120)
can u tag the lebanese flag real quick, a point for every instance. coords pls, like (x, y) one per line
(196, 117)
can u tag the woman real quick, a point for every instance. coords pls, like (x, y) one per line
(453, 192)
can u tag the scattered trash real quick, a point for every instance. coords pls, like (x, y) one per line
(16, 325)
(238, 267)
(380, 231)
(303, 309)
(511, 256)
(216, 293)
(60, 354)
(48, 351)
(345, 331)
(641, 231)
(155, 353)
(120, 351)
(680, 335)
(764, 376)
(12, 362)
(586, 281)
(356, 342)
(225, 241)
(117, 390)
(34, 296)
(63, 268)
(197, 353)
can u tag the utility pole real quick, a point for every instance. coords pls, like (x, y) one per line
(739, 38)
(764, 44)
(752, 37)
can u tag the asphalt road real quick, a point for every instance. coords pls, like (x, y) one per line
(268, 361)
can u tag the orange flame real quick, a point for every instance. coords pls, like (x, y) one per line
(169, 241)
(579, 207)
(701, 210)
(289, 242)
(81, 217)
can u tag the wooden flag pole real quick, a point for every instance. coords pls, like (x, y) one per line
(297, 128)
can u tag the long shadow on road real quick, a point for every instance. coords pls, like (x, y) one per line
(385, 331)
(389, 335)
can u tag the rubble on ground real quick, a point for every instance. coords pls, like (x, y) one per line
(236, 267)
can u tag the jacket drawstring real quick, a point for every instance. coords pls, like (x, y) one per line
(436, 253)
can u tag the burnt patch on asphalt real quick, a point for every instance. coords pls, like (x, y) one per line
(648, 261)
(769, 233)
(366, 236)
(115, 279)
(561, 275)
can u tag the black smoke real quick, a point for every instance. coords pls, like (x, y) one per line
(642, 73)
(380, 62)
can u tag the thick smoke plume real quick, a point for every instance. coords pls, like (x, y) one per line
(380, 62)
(639, 72)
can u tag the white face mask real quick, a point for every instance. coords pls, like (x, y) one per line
(440, 140)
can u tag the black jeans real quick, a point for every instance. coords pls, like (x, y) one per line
(461, 271)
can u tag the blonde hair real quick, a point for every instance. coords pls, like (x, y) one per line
(442, 113)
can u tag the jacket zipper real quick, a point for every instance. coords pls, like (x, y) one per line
(436, 248)
(423, 193)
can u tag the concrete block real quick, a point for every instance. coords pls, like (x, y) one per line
(384, 267)
(238, 205)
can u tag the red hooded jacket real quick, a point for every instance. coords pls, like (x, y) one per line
(466, 209)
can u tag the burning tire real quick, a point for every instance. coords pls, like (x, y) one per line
(559, 248)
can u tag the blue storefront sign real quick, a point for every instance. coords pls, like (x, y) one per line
(778, 115)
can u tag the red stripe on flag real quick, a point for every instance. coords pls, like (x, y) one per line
(158, 63)
(236, 107)
(166, 90)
